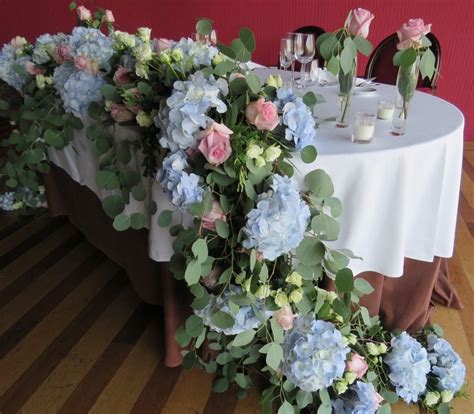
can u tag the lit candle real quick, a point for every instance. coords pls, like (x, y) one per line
(363, 128)
(385, 110)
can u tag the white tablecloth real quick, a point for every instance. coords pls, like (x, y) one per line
(399, 194)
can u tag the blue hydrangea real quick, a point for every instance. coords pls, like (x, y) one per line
(361, 398)
(297, 118)
(245, 317)
(314, 354)
(184, 188)
(408, 366)
(446, 364)
(61, 75)
(198, 53)
(8, 59)
(20, 197)
(79, 91)
(45, 46)
(93, 44)
(188, 106)
(279, 221)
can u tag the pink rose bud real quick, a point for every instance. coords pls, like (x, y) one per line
(359, 22)
(32, 69)
(216, 213)
(84, 13)
(357, 365)
(262, 114)
(215, 143)
(121, 76)
(109, 16)
(18, 42)
(162, 44)
(410, 33)
(284, 317)
(62, 53)
(86, 65)
(377, 398)
(120, 113)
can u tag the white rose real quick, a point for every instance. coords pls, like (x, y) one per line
(144, 33)
(144, 119)
(272, 153)
(254, 151)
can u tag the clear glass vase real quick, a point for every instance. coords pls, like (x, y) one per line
(407, 80)
(346, 89)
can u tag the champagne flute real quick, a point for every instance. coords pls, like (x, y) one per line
(305, 49)
(292, 36)
(286, 52)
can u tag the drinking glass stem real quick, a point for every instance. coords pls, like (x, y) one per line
(303, 75)
(292, 73)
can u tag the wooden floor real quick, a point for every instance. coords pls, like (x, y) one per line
(75, 338)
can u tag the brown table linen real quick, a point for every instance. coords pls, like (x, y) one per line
(403, 303)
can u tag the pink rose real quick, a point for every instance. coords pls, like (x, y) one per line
(131, 96)
(359, 22)
(377, 398)
(84, 13)
(162, 44)
(357, 365)
(32, 69)
(86, 65)
(216, 213)
(262, 114)
(215, 143)
(284, 317)
(62, 53)
(109, 16)
(121, 76)
(410, 33)
(18, 42)
(120, 113)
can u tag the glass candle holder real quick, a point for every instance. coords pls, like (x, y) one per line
(385, 110)
(363, 127)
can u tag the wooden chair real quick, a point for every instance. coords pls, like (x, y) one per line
(381, 66)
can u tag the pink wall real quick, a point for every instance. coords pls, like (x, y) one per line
(269, 19)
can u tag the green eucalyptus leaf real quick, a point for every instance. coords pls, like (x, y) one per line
(113, 205)
(427, 64)
(222, 320)
(253, 82)
(408, 57)
(53, 138)
(122, 222)
(220, 385)
(244, 338)
(110, 93)
(107, 179)
(222, 229)
(345, 280)
(200, 251)
(286, 408)
(334, 65)
(308, 154)
(303, 398)
(165, 217)
(204, 27)
(325, 227)
(328, 47)
(363, 286)
(241, 52)
(193, 272)
(310, 251)
(319, 183)
(226, 50)
(363, 45)
(274, 355)
(248, 39)
(224, 67)
(194, 326)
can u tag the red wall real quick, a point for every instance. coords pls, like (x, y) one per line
(270, 19)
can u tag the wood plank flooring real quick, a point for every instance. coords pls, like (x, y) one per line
(75, 338)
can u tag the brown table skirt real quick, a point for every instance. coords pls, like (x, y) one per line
(404, 303)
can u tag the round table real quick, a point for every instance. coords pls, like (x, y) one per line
(399, 193)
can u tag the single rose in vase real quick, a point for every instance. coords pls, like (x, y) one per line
(411, 33)
(84, 13)
(262, 114)
(358, 22)
(216, 213)
(215, 143)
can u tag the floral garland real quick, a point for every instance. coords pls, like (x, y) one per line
(222, 144)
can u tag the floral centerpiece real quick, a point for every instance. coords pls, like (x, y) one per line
(223, 144)
(339, 50)
(414, 56)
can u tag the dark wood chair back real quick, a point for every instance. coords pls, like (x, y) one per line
(381, 65)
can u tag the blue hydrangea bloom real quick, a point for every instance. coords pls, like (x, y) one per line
(279, 221)
(446, 364)
(45, 45)
(188, 106)
(409, 365)
(361, 398)
(184, 188)
(79, 91)
(61, 75)
(245, 318)
(314, 354)
(199, 53)
(93, 44)
(297, 117)
(8, 60)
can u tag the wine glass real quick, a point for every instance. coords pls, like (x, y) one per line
(291, 36)
(305, 49)
(286, 53)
